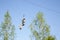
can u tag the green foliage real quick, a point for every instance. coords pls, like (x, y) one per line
(39, 28)
(7, 29)
(50, 38)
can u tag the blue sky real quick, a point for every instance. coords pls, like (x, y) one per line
(29, 8)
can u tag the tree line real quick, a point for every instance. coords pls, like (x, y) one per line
(39, 28)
